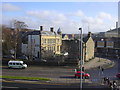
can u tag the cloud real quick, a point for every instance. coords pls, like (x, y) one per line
(79, 13)
(48, 17)
(99, 23)
(103, 15)
(68, 22)
(45, 15)
(10, 7)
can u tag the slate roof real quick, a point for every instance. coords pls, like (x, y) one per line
(63, 35)
(42, 32)
(85, 39)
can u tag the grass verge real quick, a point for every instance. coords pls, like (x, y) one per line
(25, 78)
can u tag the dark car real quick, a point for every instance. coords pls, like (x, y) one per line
(84, 75)
(23, 57)
(118, 75)
(8, 57)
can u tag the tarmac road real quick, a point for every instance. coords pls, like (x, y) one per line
(40, 86)
(38, 71)
(57, 74)
(97, 75)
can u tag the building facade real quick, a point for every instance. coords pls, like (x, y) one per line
(108, 48)
(88, 47)
(43, 44)
(72, 46)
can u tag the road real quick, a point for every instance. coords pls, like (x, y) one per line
(97, 75)
(64, 75)
(39, 86)
(39, 71)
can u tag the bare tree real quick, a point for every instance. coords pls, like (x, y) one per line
(19, 26)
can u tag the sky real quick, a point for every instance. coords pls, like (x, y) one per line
(69, 16)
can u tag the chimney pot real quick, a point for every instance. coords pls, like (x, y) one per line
(51, 29)
(41, 28)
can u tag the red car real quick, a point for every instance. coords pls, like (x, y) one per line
(118, 75)
(78, 74)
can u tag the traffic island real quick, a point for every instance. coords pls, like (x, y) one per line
(98, 62)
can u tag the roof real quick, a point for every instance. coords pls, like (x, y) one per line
(114, 30)
(34, 33)
(15, 61)
(59, 30)
(63, 35)
(70, 36)
(42, 32)
(85, 39)
(48, 33)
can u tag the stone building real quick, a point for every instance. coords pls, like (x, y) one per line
(72, 46)
(88, 47)
(43, 44)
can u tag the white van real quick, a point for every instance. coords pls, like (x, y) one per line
(16, 64)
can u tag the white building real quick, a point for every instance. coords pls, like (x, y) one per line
(32, 48)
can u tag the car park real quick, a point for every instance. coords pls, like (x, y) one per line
(84, 75)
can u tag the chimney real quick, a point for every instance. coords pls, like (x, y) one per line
(41, 28)
(51, 29)
(89, 34)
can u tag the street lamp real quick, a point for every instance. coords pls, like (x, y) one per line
(81, 58)
(40, 54)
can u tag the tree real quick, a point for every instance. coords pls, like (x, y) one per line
(19, 26)
(12, 37)
(7, 39)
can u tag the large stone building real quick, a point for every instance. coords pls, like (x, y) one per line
(107, 47)
(113, 33)
(43, 44)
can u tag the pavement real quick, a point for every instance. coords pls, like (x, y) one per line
(96, 62)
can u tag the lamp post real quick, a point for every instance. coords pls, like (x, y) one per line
(40, 54)
(117, 37)
(81, 58)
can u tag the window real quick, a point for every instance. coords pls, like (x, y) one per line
(17, 63)
(10, 63)
(44, 40)
(58, 48)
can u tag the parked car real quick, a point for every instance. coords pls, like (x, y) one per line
(118, 75)
(23, 57)
(84, 75)
(8, 57)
